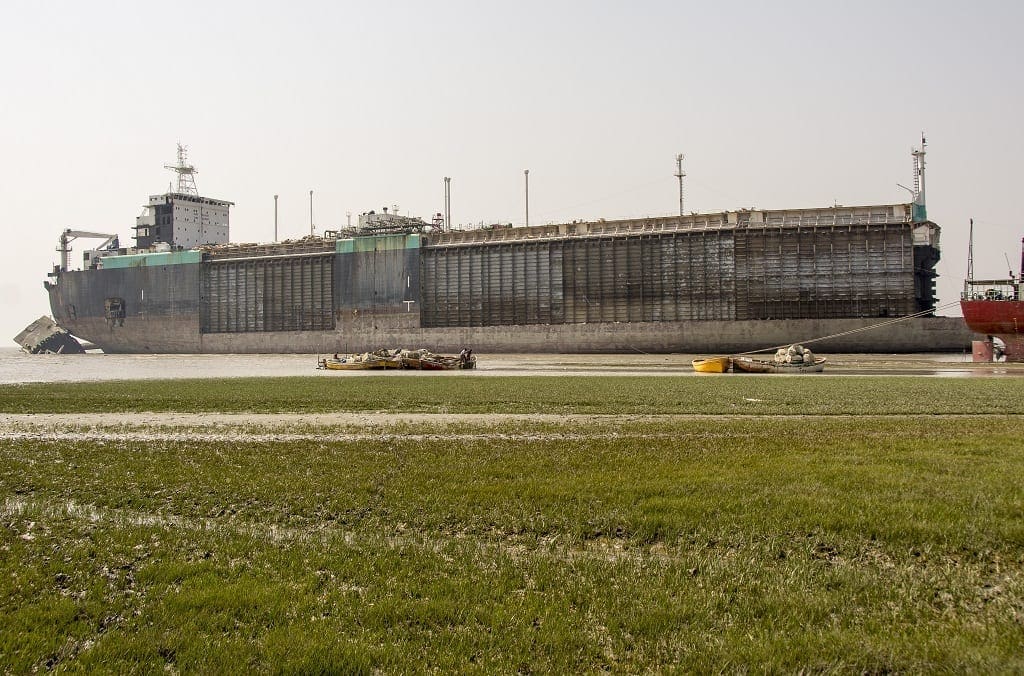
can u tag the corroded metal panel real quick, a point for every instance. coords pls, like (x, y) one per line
(377, 274)
(637, 278)
(147, 296)
(790, 271)
(825, 272)
(271, 294)
(493, 285)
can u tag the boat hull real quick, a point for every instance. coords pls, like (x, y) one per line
(332, 365)
(712, 365)
(749, 365)
(1003, 319)
(430, 365)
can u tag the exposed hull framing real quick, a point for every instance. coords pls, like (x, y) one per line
(729, 282)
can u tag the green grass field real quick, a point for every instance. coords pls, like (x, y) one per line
(467, 393)
(853, 524)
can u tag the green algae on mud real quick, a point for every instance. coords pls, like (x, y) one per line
(862, 533)
(781, 395)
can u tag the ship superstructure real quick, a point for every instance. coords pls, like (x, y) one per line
(182, 219)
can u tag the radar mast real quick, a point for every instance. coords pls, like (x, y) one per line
(186, 172)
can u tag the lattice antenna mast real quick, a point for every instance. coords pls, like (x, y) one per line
(186, 172)
(680, 174)
(918, 155)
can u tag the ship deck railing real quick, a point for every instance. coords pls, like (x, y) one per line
(898, 214)
(307, 245)
(991, 289)
(730, 220)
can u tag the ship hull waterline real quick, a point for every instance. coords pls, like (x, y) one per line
(181, 335)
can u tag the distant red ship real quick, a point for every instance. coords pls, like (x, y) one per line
(995, 308)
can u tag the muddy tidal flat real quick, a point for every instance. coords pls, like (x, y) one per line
(18, 367)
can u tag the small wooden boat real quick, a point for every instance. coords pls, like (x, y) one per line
(428, 361)
(383, 359)
(436, 364)
(750, 365)
(445, 363)
(344, 364)
(792, 359)
(399, 359)
(712, 365)
(817, 366)
(355, 362)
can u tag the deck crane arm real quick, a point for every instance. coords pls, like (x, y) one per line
(70, 234)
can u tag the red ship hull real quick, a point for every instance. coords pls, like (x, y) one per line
(1003, 319)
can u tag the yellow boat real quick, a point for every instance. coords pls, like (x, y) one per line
(344, 365)
(712, 365)
(381, 359)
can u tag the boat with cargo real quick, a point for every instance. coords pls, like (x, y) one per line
(422, 359)
(344, 364)
(378, 359)
(791, 359)
(425, 360)
(723, 282)
(446, 363)
(752, 365)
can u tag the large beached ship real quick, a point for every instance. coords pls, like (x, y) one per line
(721, 282)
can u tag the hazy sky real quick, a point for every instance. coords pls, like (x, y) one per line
(775, 104)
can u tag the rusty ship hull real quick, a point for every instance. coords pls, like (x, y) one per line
(1003, 319)
(724, 282)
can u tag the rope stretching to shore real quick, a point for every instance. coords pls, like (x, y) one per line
(851, 331)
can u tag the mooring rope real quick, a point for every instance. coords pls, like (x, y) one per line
(851, 331)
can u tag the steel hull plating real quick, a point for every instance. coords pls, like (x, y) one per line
(1003, 319)
(712, 284)
(151, 331)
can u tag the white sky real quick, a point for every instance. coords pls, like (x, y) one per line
(775, 104)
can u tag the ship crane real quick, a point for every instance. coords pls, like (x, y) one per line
(69, 235)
